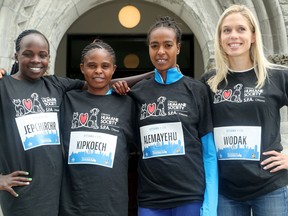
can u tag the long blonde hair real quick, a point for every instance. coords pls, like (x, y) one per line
(257, 56)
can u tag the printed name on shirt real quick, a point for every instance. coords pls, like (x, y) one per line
(38, 129)
(44, 126)
(91, 145)
(238, 94)
(238, 142)
(161, 140)
(162, 108)
(160, 137)
(235, 140)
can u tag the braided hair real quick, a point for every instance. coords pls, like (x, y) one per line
(15, 66)
(166, 22)
(98, 44)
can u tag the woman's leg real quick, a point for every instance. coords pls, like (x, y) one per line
(191, 209)
(274, 203)
(228, 207)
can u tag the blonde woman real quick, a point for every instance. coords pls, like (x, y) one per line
(247, 94)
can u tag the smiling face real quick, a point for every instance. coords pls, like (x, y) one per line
(236, 36)
(33, 57)
(98, 68)
(163, 48)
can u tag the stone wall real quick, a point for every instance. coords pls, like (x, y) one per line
(284, 8)
(281, 59)
(10, 15)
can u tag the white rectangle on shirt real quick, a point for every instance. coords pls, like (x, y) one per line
(160, 140)
(92, 148)
(238, 142)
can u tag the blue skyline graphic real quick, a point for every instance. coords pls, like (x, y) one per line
(162, 149)
(239, 153)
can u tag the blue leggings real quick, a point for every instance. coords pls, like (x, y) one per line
(191, 209)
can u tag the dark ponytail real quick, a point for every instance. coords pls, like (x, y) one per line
(15, 68)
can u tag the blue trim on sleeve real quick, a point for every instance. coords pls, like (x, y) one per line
(210, 202)
(172, 75)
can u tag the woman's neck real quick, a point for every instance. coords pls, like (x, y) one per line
(163, 75)
(240, 64)
(95, 91)
(20, 76)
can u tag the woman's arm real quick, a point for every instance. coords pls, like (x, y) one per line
(132, 80)
(122, 85)
(209, 207)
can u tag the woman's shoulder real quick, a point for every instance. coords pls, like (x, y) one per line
(4, 79)
(54, 78)
(194, 84)
(277, 68)
(278, 72)
(143, 82)
(207, 75)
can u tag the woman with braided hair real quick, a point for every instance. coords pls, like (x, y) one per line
(98, 132)
(30, 153)
(178, 165)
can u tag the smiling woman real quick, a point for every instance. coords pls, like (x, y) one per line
(247, 93)
(30, 152)
(168, 105)
(33, 57)
(98, 72)
(99, 133)
(236, 39)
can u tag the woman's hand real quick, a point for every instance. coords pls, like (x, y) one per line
(121, 87)
(277, 161)
(3, 72)
(14, 179)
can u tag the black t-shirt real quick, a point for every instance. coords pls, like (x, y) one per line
(98, 133)
(172, 119)
(246, 124)
(29, 120)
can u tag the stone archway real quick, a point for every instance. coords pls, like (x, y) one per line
(54, 17)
